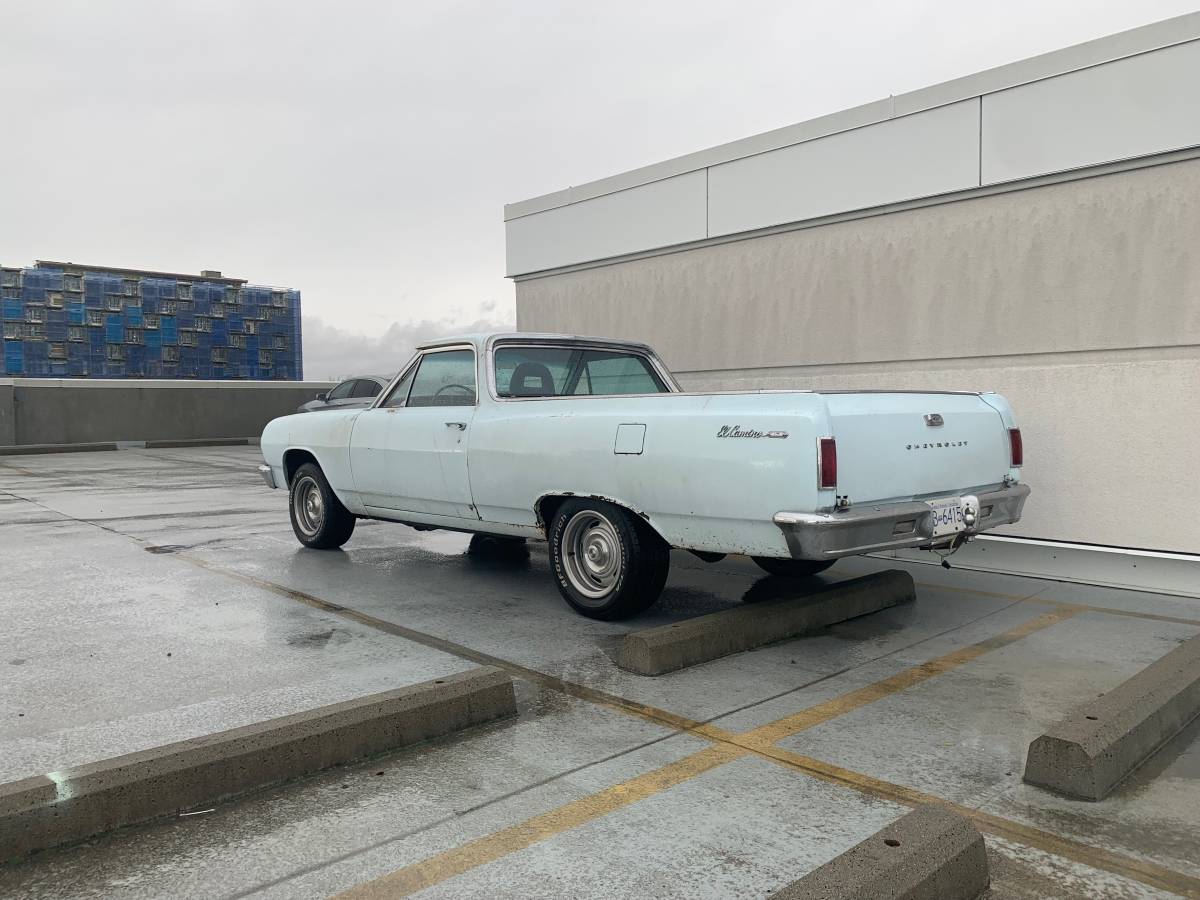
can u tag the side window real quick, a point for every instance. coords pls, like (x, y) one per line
(605, 373)
(533, 371)
(364, 388)
(399, 394)
(563, 371)
(342, 391)
(445, 378)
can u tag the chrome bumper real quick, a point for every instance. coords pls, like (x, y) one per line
(268, 475)
(894, 526)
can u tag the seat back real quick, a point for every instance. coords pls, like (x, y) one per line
(531, 379)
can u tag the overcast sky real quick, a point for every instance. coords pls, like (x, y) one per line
(363, 151)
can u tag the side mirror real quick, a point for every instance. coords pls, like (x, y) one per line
(322, 397)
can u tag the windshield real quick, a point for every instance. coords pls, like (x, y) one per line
(573, 371)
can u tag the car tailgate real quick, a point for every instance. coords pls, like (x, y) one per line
(892, 444)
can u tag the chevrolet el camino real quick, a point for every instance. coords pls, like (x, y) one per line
(591, 445)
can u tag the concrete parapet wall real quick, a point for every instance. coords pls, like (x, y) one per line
(74, 411)
(8, 425)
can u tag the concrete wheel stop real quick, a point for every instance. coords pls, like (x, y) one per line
(666, 648)
(1087, 754)
(929, 853)
(62, 807)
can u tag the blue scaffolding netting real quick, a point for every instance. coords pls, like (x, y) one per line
(101, 324)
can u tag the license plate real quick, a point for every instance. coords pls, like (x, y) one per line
(947, 516)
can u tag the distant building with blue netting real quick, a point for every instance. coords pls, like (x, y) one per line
(65, 320)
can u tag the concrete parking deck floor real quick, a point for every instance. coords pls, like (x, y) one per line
(153, 595)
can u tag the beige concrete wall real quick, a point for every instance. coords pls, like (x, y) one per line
(1080, 301)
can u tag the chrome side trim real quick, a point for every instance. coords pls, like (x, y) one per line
(896, 391)
(268, 475)
(894, 526)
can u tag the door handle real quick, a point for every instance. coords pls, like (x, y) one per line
(461, 426)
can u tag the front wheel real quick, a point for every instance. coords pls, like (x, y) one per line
(608, 565)
(792, 568)
(318, 517)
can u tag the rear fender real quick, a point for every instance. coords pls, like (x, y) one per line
(547, 504)
(1000, 405)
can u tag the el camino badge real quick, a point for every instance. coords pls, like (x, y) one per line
(735, 431)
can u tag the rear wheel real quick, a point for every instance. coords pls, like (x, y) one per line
(792, 568)
(318, 517)
(608, 565)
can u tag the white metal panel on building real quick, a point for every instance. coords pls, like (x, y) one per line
(1127, 96)
(665, 212)
(1149, 103)
(843, 120)
(927, 153)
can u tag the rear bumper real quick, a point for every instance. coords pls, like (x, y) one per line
(894, 526)
(268, 475)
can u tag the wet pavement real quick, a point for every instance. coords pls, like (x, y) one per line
(154, 595)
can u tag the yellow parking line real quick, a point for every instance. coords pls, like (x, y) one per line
(1048, 601)
(839, 706)
(481, 851)
(728, 746)
(1127, 613)
(458, 860)
(1139, 870)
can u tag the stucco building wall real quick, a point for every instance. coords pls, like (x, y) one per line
(1080, 301)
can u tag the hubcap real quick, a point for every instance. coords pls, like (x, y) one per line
(592, 554)
(308, 506)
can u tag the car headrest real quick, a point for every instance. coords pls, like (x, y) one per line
(531, 379)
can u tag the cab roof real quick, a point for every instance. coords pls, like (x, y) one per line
(482, 340)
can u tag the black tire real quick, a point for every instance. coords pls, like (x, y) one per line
(792, 568)
(500, 540)
(318, 517)
(497, 547)
(626, 565)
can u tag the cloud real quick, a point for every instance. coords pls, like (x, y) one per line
(332, 353)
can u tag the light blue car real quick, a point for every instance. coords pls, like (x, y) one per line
(590, 444)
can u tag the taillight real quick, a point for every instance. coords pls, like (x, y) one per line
(1016, 448)
(826, 462)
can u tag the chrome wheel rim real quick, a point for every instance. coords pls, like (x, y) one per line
(592, 555)
(308, 506)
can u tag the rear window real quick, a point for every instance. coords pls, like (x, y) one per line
(568, 371)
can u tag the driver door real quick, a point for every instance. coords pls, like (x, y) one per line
(408, 454)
